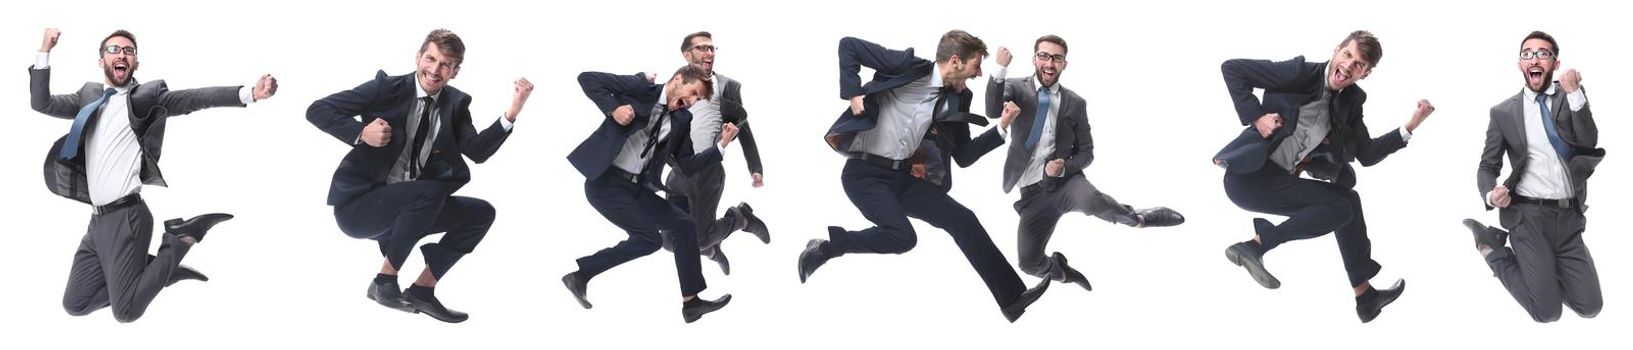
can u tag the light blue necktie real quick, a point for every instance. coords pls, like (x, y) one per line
(1043, 115)
(1548, 126)
(70, 148)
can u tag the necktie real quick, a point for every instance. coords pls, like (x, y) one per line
(70, 148)
(1037, 122)
(420, 133)
(1563, 149)
(652, 136)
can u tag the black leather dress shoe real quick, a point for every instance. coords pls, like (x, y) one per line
(433, 307)
(812, 257)
(1484, 235)
(195, 227)
(1072, 275)
(182, 273)
(579, 286)
(719, 257)
(1159, 217)
(702, 306)
(389, 295)
(1242, 254)
(755, 225)
(1370, 309)
(1016, 309)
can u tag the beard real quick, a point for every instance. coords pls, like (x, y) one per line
(129, 73)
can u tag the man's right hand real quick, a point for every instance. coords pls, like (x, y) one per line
(623, 115)
(1010, 111)
(856, 105)
(1004, 57)
(1268, 124)
(1500, 198)
(377, 133)
(50, 41)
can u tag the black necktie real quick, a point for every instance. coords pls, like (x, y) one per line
(652, 135)
(420, 133)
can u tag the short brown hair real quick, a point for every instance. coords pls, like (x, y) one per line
(1051, 38)
(961, 44)
(1371, 50)
(132, 37)
(448, 42)
(686, 44)
(691, 73)
(1534, 35)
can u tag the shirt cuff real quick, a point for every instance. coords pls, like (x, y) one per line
(1489, 202)
(1001, 73)
(246, 94)
(1406, 136)
(1003, 132)
(1577, 100)
(505, 123)
(42, 60)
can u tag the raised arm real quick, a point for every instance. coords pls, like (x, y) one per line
(1243, 75)
(857, 53)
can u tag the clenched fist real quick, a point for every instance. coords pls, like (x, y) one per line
(377, 133)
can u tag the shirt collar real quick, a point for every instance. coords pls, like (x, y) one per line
(935, 77)
(1532, 95)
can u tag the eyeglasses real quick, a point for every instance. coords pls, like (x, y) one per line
(1045, 56)
(705, 48)
(1540, 54)
(115, 49)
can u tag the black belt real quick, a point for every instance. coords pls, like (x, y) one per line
(881, 161)
(116, 204)
(620, 174)
(1032, 189)
(1556, 203)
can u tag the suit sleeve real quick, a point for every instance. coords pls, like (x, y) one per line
(608, 91)
(182, 102)
(1373, 150)
(857, 53)
(477, 146)
(997, 93)
(336, 114)
(1083, 147)
(1243, 75)
(65, 106)
(751, 150)
(967, 152)
(1583, 128)
(680, 149)
(1491, 158)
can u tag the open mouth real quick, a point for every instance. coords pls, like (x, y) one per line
(1048, 74)
(1534, 76)
(121, 67)
(1339, 77)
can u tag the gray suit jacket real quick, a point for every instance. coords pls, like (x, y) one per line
(1072, 140)
(1506, 133)
(150, 105)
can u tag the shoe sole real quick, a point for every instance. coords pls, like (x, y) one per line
(585, 302)
(1254, 269)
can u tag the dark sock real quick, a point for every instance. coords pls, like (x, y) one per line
(694, 302)
(424, 293)
(1368, 295)
(381, 278)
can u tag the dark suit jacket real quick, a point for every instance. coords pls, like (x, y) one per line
(596, 153)
(151, 104)
(1072, 140)
(1506, 134)
(948, 139)
(1287, 86)
(392, 98)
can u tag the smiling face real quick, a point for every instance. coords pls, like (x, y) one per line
(120, 64)
(958, 70)
(700, 52)
(436, 68)
(1538, 71)
(683, 95)
(1347, 66)
(1048, 68)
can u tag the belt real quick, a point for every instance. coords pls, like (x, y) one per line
(1032, 189)
(116, 204)
(620, 174)
(881, 161)
(1556, 203)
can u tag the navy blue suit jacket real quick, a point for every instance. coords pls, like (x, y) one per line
(596, 153)
(392, 98)
(1287, 86)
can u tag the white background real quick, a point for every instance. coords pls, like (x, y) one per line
(283, 275)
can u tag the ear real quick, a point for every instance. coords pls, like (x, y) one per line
(1556, 63)
(454, 74)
